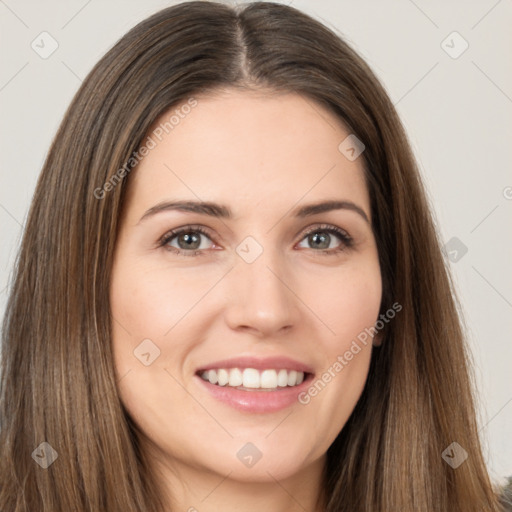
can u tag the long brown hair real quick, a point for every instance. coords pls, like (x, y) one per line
(58, 381)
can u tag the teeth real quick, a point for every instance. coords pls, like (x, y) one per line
(282, 378)
(268, 379)
(223, 377)
(212, 377)
(253, 379)
(292, 378)
(235, 377)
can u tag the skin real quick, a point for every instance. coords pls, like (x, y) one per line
(262, 155)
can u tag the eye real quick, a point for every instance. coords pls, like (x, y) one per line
(324, 238)
(187, 241)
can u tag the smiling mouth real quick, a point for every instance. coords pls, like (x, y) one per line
(251, 379)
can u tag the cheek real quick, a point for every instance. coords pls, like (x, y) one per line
(146, 303)
(149, 302)
(349, 303)
(349, 307)
(141, 315)
(156, 320)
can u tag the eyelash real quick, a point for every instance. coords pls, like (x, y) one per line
(346, 240)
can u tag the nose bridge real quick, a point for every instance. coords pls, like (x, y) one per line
(260, 297)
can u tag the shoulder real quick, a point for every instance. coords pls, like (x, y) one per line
(505, 495)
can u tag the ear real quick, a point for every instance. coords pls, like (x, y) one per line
(377, 339)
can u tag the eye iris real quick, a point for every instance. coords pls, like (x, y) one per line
(324, 240)
(192, 241)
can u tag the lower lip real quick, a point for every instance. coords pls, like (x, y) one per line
(257, 401)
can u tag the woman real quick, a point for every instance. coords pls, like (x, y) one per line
(230, 293)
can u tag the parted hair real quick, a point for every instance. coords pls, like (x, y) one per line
(58, 381)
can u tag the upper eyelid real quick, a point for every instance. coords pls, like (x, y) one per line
(324, 226)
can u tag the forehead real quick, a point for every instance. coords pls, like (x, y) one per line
(247, 149)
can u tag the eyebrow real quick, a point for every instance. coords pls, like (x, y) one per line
(224, 212)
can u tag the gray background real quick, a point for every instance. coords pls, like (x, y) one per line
(457, 110)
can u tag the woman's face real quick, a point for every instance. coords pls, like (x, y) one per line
(269, 289)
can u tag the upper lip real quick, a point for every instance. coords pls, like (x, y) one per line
(258, 363)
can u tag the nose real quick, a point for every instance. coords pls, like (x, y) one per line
(262, 300)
